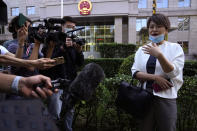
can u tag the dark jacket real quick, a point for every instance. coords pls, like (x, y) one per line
(68, 70)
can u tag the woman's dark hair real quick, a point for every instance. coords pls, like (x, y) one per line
(14, 25)
(159, 19)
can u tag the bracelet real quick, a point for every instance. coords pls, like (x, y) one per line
(14, 87)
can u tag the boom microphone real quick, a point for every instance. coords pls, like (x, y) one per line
(86, 82)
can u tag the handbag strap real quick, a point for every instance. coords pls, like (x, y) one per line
(132, 81)
(141, 87)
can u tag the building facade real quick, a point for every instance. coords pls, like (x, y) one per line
(115, 20)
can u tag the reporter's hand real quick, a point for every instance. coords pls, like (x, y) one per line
(162, 82)
(27, 89)
(44, 63)
(22, 35)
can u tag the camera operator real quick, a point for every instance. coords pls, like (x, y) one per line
(73, 56)
(20, 46)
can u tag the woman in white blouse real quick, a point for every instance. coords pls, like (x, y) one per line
(159, 65)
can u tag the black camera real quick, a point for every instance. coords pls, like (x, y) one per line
(47, 32)
(51, 31)
(75, 38)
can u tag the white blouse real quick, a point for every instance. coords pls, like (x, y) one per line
(173, 52)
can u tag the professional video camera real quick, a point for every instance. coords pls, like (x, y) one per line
(51, 30)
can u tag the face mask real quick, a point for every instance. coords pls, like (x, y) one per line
(156, 39)
(67, 29)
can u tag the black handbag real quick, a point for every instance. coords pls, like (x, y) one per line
(133, 100)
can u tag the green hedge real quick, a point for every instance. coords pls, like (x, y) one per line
(109, 65)
(101, 114)
(114, 50)
(190, 68)
(112, 66)
(126, 65)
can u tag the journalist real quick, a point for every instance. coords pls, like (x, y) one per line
(73, 56)
(159, 65)
(20, 45)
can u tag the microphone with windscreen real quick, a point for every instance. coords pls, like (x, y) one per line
(81, 88)
(86, 82)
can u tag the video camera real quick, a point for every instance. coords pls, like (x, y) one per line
(51, 30)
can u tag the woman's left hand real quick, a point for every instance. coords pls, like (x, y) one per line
(152, 50)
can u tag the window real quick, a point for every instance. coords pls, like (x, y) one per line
(15, 11)
(142, 3)
(162, 3)
(184, 3)
(140, 23)
(30, 10)
(184, 45)
(2, 30)
(183, 23)
(97, 33)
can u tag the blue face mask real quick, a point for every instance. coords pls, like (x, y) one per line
(156, 39)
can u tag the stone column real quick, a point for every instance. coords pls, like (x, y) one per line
(118, 30)
(172, 36)
(193, 35)
(173, 3)
(132, 30)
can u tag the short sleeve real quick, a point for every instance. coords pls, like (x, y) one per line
(3, 50)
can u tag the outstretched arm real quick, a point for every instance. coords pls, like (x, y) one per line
(43, 63)
(26, 85)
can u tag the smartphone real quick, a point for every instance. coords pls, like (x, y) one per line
(59, 60)
(22, 19)
(157, 88)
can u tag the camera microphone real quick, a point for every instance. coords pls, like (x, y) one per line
(56, 20)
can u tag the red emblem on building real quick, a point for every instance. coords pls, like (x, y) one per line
(84, 7)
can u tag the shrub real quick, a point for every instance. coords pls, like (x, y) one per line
(109, 65)
(187, 105)
(114, 50)
(190, 68)
(126, 65)
(101, 114)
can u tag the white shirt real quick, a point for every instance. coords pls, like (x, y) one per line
(3, 50)
(173, 52)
